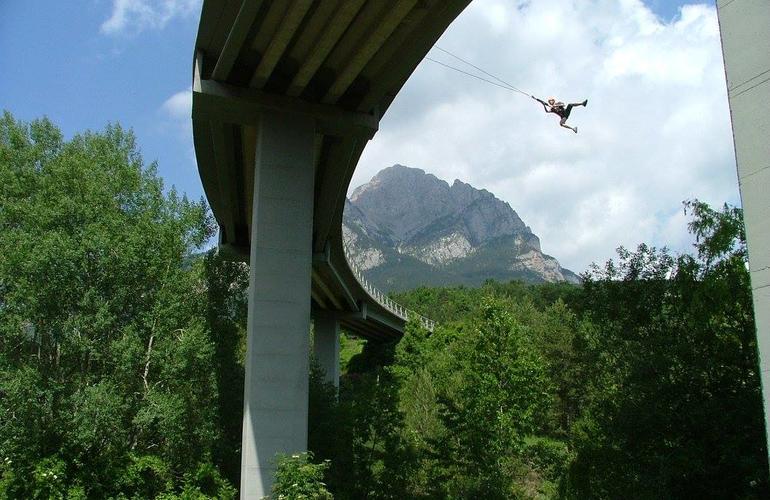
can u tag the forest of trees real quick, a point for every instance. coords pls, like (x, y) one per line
(122, 346)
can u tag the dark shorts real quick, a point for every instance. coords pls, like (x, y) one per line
(563, 112)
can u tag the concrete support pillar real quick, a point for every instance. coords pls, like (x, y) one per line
(745, 29)
(326, 344)
(276, 385)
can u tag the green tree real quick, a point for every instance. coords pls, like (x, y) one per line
(675, 404)
(497, 389)
(370, 460)
(297, 478)
(107, 382)
(226, 311)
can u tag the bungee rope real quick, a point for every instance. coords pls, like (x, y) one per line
(502, 83)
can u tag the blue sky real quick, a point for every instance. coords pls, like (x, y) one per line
(668, 9)
(85, 64)
(57, 62)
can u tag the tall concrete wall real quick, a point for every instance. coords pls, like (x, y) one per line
(276, 386)
(745, 28)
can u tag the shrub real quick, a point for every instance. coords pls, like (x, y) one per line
(296, 477)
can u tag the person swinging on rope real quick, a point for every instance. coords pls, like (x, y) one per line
(558, 108)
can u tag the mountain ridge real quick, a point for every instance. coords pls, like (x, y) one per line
(439, 234)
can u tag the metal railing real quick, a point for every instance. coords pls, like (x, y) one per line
(382, 299)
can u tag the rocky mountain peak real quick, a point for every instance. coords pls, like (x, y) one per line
(408, 202)
(406, 212)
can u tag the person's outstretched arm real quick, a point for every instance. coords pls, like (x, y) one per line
(545, 105)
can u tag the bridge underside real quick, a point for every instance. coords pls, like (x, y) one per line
(339, 62)
(286, 94)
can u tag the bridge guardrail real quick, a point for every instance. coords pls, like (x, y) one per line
(385, 301)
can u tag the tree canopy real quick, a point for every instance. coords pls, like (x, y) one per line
(122, 347)
(107, 385)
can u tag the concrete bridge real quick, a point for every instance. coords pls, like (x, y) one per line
(745, 29)
(286, 94)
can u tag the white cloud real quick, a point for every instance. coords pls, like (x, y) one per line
(179, 105)
(177, 118)
(134, 16)
(656, 130)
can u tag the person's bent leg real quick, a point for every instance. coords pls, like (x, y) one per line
(563, 123)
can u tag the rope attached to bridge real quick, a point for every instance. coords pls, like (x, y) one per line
(498, 83)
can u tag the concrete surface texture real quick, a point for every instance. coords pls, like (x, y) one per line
(745, 29)
(326, 345)
(276, 386)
